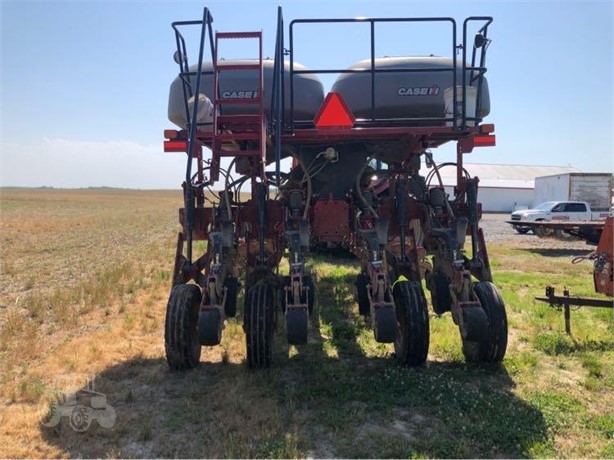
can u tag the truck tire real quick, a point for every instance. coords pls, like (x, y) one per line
(522, 230)
(541, 231)
(562, 235)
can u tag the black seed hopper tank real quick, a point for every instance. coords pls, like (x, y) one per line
(308, 91)
(415, 93)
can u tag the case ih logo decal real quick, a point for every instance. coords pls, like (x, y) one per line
(421, 91)
(239, 94)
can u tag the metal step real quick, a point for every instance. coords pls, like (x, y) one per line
(230, 130)
(243, 136)
(238, 34)
(243, 120)
(223, 67)
(253, 100)
(239, 153)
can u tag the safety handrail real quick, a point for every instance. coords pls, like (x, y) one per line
(459, 121)
(481, 69)
(372, 70)
(189, 91)
(182, 59)
(278, 96)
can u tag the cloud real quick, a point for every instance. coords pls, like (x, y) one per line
(75, 163)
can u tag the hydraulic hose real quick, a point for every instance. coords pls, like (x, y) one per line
(359, 191)
(226, 187)
(436, 169)
(309, 190)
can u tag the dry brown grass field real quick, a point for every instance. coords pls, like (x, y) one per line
(84, 279)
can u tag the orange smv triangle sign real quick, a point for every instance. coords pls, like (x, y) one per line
(334, 113)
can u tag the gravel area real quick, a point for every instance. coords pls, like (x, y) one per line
(496, 230)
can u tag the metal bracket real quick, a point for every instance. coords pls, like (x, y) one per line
(565, 302)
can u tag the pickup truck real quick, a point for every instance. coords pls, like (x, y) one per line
(555, 211)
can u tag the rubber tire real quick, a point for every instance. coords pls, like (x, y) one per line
(232, 291)
(542, 232)
(562, 235)
(491, 350)
(385, 330)
(209, 330)
(297, 325)
(362, 298)
(412, 342)
(440, 293)
(474, 324)
(180, 330)
(522, 230)
(259, 326)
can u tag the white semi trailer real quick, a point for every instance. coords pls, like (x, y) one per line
(593, 188)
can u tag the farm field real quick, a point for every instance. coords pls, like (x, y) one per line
(84, 279)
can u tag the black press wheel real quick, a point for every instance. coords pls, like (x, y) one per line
(439, 285)
(412, 340)
(385, 328)
(362, 280)
(310, 292)
(259, 325)
(180, 330)
(209, 327)
(492, 348)
(232, 291)
(297, 324)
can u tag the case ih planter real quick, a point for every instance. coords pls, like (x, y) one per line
(355, 182)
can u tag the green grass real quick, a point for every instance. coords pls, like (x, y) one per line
(554, 343)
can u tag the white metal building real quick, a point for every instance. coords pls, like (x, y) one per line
(502, 188)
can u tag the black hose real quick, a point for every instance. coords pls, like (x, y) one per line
(359, 191)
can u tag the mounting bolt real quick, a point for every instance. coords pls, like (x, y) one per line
(331, 154)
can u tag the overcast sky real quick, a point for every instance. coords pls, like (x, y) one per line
(85, 84)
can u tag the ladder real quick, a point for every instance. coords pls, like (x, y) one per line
(239, 135)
